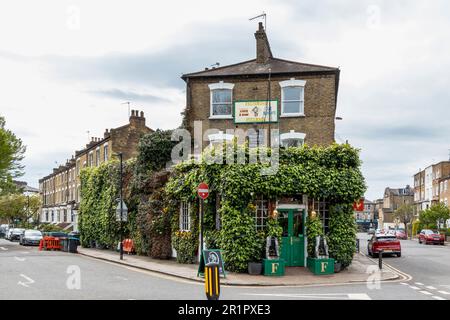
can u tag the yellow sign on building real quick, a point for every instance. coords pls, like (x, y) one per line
(256, 111)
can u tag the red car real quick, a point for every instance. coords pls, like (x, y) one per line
(400, 234)
(387, 243)
(429, 236)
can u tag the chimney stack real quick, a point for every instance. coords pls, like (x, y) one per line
(137, 118)
(263, 52)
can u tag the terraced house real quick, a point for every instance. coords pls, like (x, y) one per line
(60, 190)
(302, 97)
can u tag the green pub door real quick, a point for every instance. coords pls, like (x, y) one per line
(293, 238)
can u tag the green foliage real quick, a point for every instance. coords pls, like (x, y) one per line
(238, 239)
(273, 228)
(185, 243)
(342, 234)
(330, 172)
(19, 207)
(430, 217)
(12, 152)
(50, 228)
(416, 227)
(212, 239)
(314, 228)
(99, 192)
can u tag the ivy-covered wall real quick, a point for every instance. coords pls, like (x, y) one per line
(332, 173)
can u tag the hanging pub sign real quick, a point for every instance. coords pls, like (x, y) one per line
(255, 111)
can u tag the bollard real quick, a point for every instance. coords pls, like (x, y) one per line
(212, 281)
(380, 259)
(357, 245)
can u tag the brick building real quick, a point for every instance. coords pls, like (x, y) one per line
(365, 219)
(302, 99)
(60, 190)
(431, 185)
(393, 199)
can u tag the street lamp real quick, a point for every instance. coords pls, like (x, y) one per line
(121, 210)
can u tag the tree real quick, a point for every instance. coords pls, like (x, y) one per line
(405, 214)
(433, 217)
(19, 208)
(12, 153)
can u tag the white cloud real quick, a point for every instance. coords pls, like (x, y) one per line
(58, 81)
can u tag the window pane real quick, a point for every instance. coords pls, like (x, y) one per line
(221, 95)
(292, 93)
(221, 109)
(291, 107)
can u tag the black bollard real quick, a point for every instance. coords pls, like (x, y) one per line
(380, 259)
(212, 281)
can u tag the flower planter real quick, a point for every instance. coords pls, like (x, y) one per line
(337, 267)
(320, 266)
(274, 267)
(254, 268)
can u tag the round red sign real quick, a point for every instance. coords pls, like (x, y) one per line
(203, 191)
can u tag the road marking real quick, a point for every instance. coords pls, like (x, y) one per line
(25, 284)
(415, 288)
(328, 296)
(121, 278)
(419, 283)
(438, 298)
(4, 249)
(403, 283)
(425, 292)
(443, 292)
(20, 259)
(430, 287)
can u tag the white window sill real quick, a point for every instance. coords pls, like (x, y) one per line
(220, 117)
(292, 115)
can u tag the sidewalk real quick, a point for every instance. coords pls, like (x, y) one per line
(295, 276)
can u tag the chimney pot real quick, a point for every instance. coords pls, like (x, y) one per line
(142, 114)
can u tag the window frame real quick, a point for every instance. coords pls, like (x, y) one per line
(220, 86)
(292, 135)
(292, 83)
(182, 223)
(261, 205)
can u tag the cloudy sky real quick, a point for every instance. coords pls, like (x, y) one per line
(66, 67)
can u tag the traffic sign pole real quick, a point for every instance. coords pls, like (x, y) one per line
(203, 193)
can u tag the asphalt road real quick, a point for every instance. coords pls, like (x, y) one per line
(26, 273)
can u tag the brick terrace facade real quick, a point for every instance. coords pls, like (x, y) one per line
(60, 190)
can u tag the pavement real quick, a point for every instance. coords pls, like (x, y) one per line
(26, 273)
(358, 271)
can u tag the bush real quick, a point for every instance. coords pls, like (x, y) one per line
(238, 239)
(185, 243)
(50, 228)
(314, 228)
(342, 234)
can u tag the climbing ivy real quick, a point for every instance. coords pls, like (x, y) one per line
(332, 173)
(314, 228)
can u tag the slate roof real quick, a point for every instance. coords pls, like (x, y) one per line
(251, 67)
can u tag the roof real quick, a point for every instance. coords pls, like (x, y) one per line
(251, 67)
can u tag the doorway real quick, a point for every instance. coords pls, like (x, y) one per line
(293, 237)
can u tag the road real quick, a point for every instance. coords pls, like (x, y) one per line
(26, 273)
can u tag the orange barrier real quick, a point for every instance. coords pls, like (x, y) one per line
(128, 246)
(49, 243)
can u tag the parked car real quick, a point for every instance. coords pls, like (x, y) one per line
(401, 234)
(8, 233)
(3, 230)
(30, 237)
(387, 243)
(15, 234)
(429, 236)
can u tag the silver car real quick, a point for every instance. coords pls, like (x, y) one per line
(30, 237)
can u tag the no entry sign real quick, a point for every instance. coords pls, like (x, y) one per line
(203, 191)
